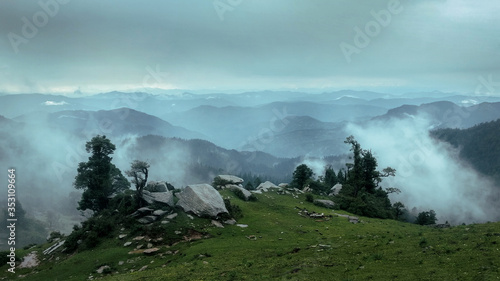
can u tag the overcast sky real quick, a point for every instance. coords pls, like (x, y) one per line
(386, 45)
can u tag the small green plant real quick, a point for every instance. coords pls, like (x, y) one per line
(234, 210)
(238, 193)
(309, 198)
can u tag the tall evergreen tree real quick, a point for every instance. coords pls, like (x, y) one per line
(98, 177)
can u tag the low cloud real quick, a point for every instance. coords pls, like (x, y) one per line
(428, 172)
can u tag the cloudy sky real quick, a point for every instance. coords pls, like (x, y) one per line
(59, 46)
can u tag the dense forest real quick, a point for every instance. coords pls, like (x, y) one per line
(478, 145)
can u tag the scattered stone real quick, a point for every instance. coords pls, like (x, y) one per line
(172, 216)
(121, 262)
(143, 268)
(191, 217)
(164, 222)
(217, 224)
(29, 261)
(135, 252)
(151, 251)
(201, 199)
(147, 219)
(205, 262)
(242, 225)
(283, 185)
(138, 238)
(230, 222)
(159, 213)
(177, 232)
(121, 236)
(102, 268)
(252, 237)
(139, 247)
(150, 245)
(353, 219)
(127, 244)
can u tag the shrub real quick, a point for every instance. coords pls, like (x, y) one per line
(309, 198)
(234, 210)
(219, 182)
(238, 193)
(54, 235)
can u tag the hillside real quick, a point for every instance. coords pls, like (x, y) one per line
(479, 146)
(280, 244)
(445, 114)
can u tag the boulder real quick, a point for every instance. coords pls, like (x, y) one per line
(335, 190)
(166, 197)
(151, 251)
(159, 213)
(245, 192)
(231, 179)
(147, 219)
(202, 200)
(265, 186)
(324, 203)
(156, 186)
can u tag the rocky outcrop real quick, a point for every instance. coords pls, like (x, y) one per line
(202, 200)
(156, 186)
(245, 192)
(166, 197)
(335, 190)
(265, 186)
(229, 179)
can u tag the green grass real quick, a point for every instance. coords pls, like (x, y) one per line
(292, 247)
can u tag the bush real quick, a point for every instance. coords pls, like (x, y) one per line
(238, 193)
(309, 198)
(54, 235)
(124, 202)
(219, 182)
(252, 198)
(234, 210)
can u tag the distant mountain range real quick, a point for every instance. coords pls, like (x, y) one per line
(444, 114)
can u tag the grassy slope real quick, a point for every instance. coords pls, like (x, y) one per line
(288, 247)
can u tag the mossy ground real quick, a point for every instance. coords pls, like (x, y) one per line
(279, 244)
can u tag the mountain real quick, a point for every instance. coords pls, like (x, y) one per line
(478, 145)
(117, 122)
(236, 127)
(301, 135)
(445, 114)
(193, 161)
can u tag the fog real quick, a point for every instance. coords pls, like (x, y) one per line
(428, 173)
